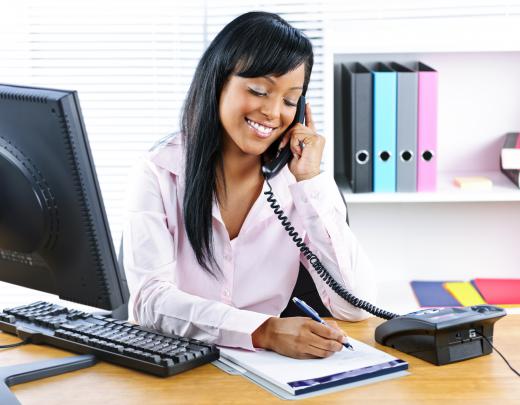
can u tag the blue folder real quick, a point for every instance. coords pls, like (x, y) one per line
(433, 294)
(384, 127)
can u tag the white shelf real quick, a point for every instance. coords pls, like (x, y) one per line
(503, 190)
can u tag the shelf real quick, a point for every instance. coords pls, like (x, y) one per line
(503, 190)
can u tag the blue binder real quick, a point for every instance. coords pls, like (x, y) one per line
(384, 127)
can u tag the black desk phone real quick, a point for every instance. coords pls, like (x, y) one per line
(437, 335)
(442, 335)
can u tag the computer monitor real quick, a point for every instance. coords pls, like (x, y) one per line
(54, 233)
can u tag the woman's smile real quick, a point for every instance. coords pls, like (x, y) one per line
(259, 129)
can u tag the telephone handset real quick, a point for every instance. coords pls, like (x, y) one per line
(282, 157)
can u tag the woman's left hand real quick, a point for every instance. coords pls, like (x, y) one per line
(307, 148)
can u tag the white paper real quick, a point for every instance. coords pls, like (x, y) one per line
(281, 370)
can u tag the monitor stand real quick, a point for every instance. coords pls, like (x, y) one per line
(18, 374)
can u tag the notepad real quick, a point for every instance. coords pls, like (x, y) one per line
(465, 293)
(433, 294)
(296, 377)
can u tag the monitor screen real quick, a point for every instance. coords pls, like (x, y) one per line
(54, 233)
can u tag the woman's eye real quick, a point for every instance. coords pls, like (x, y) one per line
(260, 94)
(256, 93)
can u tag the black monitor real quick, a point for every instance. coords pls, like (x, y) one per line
(54, 233)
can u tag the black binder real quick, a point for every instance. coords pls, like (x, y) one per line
(358, 95)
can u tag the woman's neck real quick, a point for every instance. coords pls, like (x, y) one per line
(239, 166)
(240, 171)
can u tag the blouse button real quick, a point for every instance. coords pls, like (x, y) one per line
(227, 257)
(226, 293)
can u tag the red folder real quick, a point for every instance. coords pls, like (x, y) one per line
(497, 291)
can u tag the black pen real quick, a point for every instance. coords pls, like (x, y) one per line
(314, 315)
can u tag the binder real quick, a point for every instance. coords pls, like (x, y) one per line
(427, 128)
(358, 126)
(513, 175)
(384, 115)
(406, 161)
(510, 152)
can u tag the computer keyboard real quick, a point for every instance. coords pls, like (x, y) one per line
(109, 339)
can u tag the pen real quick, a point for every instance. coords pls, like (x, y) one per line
(314, 315)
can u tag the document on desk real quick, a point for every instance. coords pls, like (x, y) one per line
(297, 377)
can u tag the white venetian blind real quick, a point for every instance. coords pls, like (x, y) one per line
(132, 63)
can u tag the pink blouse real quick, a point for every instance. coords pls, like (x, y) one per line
(172, 293)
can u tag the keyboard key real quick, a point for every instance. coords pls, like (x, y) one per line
(167, 362)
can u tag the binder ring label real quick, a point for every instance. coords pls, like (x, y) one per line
(406, 155)
(385, 156)
(427, 155)
(362, 157)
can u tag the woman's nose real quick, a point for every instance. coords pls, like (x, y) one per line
(271, 110)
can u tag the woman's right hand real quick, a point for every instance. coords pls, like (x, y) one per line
(299, 337)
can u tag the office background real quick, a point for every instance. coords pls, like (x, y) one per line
(132, 63)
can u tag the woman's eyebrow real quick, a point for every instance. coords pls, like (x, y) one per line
(272, 81)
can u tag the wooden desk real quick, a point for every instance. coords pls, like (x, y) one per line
(484, 380)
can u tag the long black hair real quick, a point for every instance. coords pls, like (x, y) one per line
(252, 45)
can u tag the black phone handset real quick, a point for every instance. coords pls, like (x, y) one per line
(271, 169)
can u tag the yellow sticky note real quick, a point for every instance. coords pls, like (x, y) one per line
(473, 182)
(465, 293)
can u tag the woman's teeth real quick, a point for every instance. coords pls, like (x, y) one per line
(260, 128)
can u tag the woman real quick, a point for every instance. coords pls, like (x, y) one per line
(205, 255)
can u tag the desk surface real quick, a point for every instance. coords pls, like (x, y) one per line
(486, 379)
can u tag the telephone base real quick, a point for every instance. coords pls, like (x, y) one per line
(442, 335)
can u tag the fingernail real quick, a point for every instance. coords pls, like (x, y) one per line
(345, 339)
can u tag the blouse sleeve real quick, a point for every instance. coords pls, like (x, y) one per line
(150, 263)
(329, 237)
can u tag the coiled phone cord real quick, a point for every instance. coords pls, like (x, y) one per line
(318, 266)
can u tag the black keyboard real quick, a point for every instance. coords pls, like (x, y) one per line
(108, 339)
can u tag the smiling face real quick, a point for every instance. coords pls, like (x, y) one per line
(254, 112)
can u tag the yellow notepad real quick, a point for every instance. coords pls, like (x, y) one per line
(465, 293)
(473, 182)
